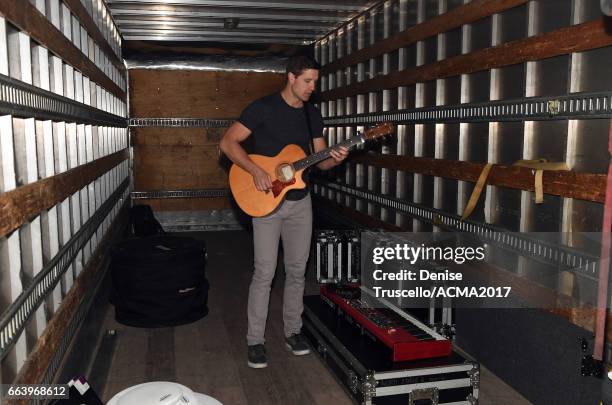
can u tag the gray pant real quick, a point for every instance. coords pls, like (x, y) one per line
(293, 223)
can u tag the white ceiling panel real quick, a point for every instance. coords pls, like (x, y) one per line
(264, 21)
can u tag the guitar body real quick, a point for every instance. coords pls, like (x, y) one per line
(283, 173)
(284, 178)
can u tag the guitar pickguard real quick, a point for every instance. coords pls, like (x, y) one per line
(278, 186)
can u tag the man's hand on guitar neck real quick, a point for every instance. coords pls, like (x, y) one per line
(339, 154)
(262, 180)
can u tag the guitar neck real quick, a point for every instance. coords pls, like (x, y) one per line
(325, 153)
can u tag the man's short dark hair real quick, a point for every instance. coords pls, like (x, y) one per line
(297, 64)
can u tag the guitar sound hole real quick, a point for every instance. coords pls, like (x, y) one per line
(285, 172)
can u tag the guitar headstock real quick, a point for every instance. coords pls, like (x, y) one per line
(378, 131)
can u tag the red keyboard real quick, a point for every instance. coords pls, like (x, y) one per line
(407, 340)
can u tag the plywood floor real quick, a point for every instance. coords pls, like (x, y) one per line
(209, 356)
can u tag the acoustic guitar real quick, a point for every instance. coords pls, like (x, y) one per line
(286, 171)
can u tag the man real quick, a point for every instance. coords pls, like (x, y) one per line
(276, 121)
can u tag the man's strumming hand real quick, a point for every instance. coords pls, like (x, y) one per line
(262, 180)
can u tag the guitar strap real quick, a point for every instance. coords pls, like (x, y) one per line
(309, 125)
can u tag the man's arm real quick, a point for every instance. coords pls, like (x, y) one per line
(337, 154)
(230, 145)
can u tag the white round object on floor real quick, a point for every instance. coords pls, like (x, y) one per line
(606, 7)
(161, 393)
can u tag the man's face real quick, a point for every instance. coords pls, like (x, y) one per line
(304, 85)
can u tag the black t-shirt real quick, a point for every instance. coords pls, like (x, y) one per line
(274, 124)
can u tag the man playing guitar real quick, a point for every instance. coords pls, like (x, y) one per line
(276, 121)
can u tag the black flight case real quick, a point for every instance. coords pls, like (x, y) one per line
(364, 365)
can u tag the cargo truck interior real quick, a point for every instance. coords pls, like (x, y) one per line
(501, 130)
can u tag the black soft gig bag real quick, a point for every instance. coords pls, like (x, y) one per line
(159, 281)
(143, 221)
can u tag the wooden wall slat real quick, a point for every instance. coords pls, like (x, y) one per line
(577, 38)
(41, 356)
(155, 136)
(177, 159)
(25, 16)
(197, 94)
(92, 29)
(464, 14)
(582, 186)
(24, 203)
(178, 167)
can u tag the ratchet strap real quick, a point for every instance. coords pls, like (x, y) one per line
(539, 165)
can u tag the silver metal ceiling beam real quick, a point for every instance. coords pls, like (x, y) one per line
(212, 23)
(219, 33)
(350, 6)
(229, 13)
(199, 38)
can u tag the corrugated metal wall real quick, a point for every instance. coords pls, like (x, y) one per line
(63, 165)
(470, 83)
(579, 142)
